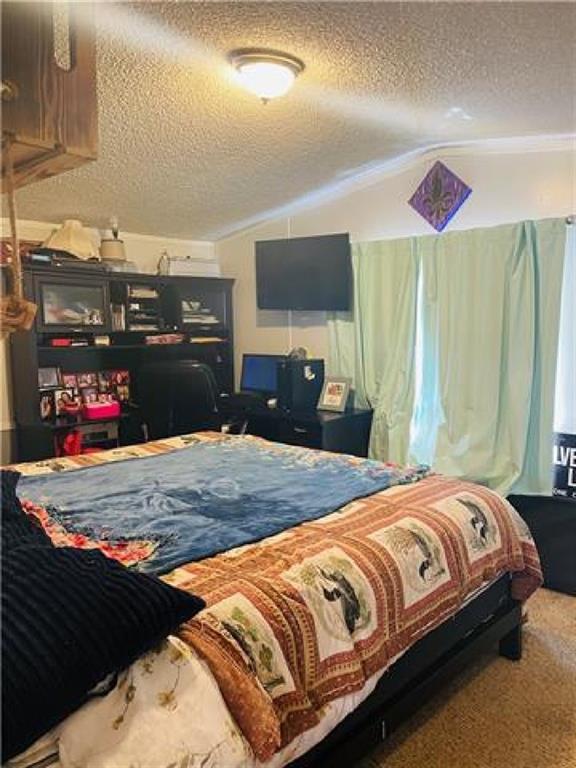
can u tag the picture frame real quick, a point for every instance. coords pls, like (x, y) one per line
(69, 380)
(120, 377)
(67, 401)
(87, 379)
(105, 383)
(68, 304)
(334, 395)
(48, 377)
(89, 395)
(107, 397)
(47, 405)
(123, 393)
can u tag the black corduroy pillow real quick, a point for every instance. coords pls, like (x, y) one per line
(70, 618)
(17, 527)
(10, 504)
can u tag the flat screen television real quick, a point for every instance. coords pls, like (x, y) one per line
(304, 273)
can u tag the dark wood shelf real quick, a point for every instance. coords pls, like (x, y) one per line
(183, 344)
(70, 422)
(47, 348)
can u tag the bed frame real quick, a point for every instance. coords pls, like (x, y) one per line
(492, 618)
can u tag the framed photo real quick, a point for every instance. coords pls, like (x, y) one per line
(105, 383)
(48, 377)
(123, 393)
(69, 380)
(47, 405)
(89, 395)
(334, 395)
(68, 304)
(120, 378)
(106, 397)
(88, 379)
(66, 401)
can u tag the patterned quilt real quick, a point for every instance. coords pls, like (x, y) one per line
(307, 616)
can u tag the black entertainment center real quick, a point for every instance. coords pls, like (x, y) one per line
(90, 319)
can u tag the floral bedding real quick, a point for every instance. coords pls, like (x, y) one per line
(298, 622)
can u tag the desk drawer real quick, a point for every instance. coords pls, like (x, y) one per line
(301, 433)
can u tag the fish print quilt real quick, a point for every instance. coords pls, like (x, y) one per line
(215, 493)
(309, 616)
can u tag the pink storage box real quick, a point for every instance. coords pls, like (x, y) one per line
(102, 410)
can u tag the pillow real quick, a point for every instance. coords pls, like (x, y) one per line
(71, 617)
(17, 526)
(11, 509)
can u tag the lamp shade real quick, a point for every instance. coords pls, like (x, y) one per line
(73, 238)
(112, 249)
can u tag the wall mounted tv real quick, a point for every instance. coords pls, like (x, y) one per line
(306, 273)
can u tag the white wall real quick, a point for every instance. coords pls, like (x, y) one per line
(144, 250)
(505, 188)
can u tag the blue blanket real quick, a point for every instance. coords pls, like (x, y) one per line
(210, 496)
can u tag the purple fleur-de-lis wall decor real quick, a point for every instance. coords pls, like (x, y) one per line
(439, 195)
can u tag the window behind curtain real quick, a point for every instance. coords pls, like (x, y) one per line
(565, 402)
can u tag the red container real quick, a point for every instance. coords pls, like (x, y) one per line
(102, 410)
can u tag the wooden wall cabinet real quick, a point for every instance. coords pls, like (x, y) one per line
(49, 113)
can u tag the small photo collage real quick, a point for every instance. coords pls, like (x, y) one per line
(63, 394)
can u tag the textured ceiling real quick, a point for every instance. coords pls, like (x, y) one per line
(184, 152)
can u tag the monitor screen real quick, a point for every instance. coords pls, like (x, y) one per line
(260, 373)
(304, 273)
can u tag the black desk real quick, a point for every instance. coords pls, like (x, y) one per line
(347, 432)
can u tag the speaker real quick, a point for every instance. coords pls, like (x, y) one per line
(299, 384)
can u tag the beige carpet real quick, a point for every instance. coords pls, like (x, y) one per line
(502, 714)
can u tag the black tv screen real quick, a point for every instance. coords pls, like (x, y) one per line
(307, 273)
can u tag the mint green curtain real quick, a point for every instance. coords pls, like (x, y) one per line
(547, 244)
(374, 345)
(453, 342)
(488, 328)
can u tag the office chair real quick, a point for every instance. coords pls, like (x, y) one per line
(180, 396)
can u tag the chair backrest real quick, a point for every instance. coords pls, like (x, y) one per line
(177, 397)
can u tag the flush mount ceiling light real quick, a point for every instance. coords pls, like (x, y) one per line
(267, 74)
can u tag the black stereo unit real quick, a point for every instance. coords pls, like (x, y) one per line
(299, 384)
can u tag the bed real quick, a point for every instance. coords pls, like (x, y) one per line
(340, 594)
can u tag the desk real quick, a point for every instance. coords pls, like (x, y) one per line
(347, 432)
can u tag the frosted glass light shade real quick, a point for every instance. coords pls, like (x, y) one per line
(267, 80)
(265, 73)
(73, 238)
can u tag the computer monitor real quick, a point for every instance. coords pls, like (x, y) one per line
(260, 373)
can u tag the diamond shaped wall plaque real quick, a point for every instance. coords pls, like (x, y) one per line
(439, 195)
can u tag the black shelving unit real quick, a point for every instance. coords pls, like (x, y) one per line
(210, 341)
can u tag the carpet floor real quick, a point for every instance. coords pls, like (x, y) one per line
(501, 714)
